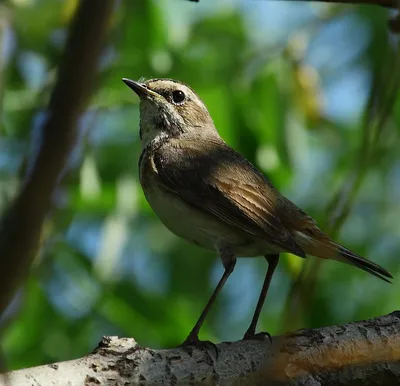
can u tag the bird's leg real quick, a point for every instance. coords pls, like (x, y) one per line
(251, 331)
(228, 261)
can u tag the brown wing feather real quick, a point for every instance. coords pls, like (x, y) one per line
(213, 177)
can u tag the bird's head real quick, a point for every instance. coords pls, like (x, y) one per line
(169, 108)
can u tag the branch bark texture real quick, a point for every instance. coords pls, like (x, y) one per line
(20, 227)
(363, 353)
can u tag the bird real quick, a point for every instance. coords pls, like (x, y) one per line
(207, 193)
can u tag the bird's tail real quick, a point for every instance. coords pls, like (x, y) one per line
(349, 257)
(320, 245)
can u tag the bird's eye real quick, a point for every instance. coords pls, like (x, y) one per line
(178, 96)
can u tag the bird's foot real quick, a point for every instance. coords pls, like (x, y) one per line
(249, 335)
(194, 341)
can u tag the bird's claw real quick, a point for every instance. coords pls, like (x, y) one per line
(259, 336)
(194, 341)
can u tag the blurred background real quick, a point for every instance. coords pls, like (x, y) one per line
(308, 92)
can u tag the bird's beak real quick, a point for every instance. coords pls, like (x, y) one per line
(140, 89)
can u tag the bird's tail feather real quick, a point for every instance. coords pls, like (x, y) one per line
(321, 245)
(349, 257)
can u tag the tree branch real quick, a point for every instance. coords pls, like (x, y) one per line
(382, 3)
(20, 227)
(366, 352)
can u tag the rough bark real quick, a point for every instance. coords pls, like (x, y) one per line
(361, 353)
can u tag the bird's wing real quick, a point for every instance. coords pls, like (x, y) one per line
(214, 178)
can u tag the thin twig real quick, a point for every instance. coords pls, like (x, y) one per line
(381, 3)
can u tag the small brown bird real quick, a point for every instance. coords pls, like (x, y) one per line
(209, 194)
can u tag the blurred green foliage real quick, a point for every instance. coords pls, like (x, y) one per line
(287, 85)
